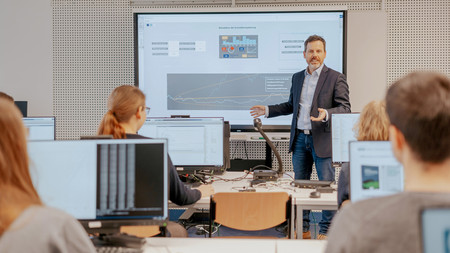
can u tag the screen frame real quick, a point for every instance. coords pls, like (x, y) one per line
(239, 127)
(43, 117)
(423, 214)
(352, 165)
(187, 169)
(112, 225)
(332, 156)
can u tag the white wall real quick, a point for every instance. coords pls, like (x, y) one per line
(26, 69)
(366, 57)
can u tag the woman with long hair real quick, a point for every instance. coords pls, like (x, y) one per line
(373, 125)
(26, 225)
(125, 116)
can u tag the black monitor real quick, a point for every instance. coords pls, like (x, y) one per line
(219, 64)
(40, 128)
(194, 143)
(23, 107)
(105, 184)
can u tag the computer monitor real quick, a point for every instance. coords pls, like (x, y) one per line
(23, 107)
(103, 183)
(435, 230)
(194, 143)
(374, 171)
(40, 128)
(342, 132)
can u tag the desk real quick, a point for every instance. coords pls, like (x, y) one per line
(216, 245)
(300, 197)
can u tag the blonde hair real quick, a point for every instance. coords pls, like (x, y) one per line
(373, 123)
(16, 188)
(123, 103)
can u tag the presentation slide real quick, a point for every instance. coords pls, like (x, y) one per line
(221, 64)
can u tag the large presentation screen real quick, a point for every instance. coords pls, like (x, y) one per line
(221, 64)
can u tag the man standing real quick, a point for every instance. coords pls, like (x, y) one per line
(316, 93)
(418, 107)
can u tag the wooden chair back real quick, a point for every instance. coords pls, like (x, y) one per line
(250, 211)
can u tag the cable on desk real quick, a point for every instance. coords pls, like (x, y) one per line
(217, 178)
(203, 229)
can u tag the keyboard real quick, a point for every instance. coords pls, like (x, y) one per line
(118, 243)
(114, 249)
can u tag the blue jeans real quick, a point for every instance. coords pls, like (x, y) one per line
(303, 158)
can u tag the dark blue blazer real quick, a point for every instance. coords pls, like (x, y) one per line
(331, 94)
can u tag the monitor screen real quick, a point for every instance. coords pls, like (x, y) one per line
(374, 171)
(221, 64)
(342, 132)
(23, 107)
(103, 183)
(40, 128)
(435, 226)
(193, 142)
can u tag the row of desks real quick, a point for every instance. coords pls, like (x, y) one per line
(235, 181)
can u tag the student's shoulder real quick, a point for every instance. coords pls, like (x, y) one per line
(47, 213)
(365, 209)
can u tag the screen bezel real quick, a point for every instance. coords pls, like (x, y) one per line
(332, 156)
(425, 211)
(356, 143)
(239, 127)
(111, 225)
(43, 117)
(192, 168)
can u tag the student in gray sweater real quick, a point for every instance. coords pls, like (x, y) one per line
(418, 107)
(26, 225)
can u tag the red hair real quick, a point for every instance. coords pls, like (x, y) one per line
(373, 124)
(123, 103)
(16, 188)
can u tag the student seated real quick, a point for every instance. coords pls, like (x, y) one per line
(126, 115)
(373, 125)
(418, 107)
(26, 225)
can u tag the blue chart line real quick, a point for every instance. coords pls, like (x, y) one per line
(225, 91)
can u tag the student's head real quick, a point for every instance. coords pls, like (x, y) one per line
(6, 96)
(314, 52)
(126, 105)
(418, 106)
(373, 123)
(16, 188)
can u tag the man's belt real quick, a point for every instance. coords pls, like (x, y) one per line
(305, 131)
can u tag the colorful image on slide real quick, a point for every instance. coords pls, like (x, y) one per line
(370, 177)
(238, 46)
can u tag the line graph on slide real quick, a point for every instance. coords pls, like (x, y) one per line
(226, 91)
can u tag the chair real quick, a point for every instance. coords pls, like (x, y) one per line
(250, 211)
